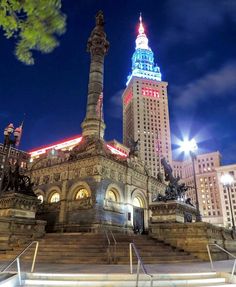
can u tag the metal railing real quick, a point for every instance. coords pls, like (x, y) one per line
(108, 246)
(114, 246)
(224, 250)
(111, 252)
(17, 260)
(140, 264)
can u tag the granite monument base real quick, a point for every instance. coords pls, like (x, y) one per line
(17, 220)
(172, 211)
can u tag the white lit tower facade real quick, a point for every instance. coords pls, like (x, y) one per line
(145, 107)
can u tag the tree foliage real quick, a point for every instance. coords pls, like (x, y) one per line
(34, 23)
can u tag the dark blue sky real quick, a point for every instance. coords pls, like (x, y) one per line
(194, 42)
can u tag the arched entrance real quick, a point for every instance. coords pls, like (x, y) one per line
(138, 214)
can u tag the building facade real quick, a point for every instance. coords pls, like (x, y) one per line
(228, 194)
(209, 199)
(145, 107)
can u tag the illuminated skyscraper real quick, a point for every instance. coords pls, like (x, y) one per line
(145, 106)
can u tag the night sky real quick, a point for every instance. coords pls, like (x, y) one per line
(194, 42)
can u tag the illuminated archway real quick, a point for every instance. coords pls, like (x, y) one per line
(138, 202)
(139, 211)
(139, 198)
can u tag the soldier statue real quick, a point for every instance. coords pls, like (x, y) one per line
(174, 189)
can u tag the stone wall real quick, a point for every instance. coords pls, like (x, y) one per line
(97, 174)
(194, 237)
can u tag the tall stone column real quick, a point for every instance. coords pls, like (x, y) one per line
(93, 124)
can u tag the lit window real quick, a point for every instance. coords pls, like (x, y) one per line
(82, 193)
(55, 197)
(111, 195)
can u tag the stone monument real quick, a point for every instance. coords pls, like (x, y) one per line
(172, 206)
(18, 206)
(89, 187)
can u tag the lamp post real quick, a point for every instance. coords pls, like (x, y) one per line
(190, 147)
(11, 138)
(227, 180)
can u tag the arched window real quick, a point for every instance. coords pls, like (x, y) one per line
(138, 202)
(55, 197)
(40, 197)
(82, 193)
(112, 195)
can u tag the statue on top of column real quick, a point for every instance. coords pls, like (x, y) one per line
(97, 42)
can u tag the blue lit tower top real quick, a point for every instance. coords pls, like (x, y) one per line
(143, 58)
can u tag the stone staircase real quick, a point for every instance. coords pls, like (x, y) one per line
(151, 250)
(210, 279)
(88, 248)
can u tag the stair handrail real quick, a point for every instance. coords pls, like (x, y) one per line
(107, 237)
(115, 244)
(17, 259)
(224, 250)
(140, 263)
(108, 245)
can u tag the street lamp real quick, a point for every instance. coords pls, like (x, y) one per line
(190, 147)
(227, 180)
(11, 138)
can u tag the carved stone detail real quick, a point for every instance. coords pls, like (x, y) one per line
(83, 203)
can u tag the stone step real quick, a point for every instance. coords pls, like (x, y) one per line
(29, 283)
(117, 276)
(78, 253)
(125, 280)
(56, 250)
(90, 252)
(105, 259)
(97, 243)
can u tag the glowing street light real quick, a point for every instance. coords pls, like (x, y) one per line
(227, 181)
(190, 147)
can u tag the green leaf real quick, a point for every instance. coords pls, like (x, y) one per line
(35, 24)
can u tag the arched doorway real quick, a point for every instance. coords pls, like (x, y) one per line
(138, 214)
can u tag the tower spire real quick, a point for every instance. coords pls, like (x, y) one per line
(141, 28)
(143, 58)
(97, 46)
